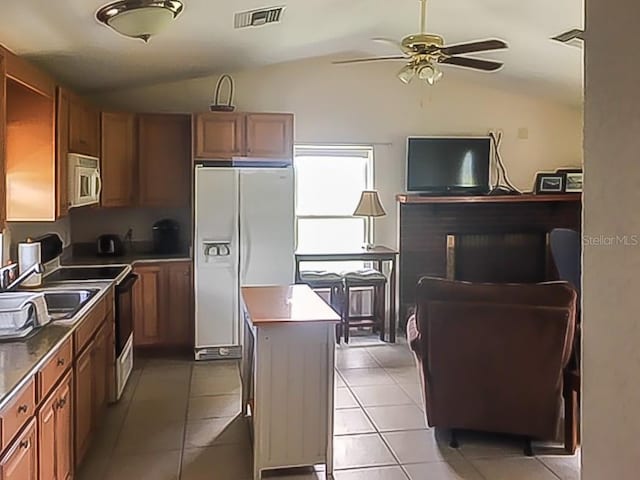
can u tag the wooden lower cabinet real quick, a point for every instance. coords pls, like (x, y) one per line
(55, 424)
(99, 361)
(84, 371)
(163, 305)
(20, 462)
(146, 324)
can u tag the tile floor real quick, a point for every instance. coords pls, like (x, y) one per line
(179, 420)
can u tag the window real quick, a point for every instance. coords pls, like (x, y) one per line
(329, 181)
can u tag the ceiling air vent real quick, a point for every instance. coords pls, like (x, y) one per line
(574, 38)
(257, 18)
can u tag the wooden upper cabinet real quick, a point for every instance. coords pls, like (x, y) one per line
(62, 151)
(270, 135)
(20, 462)
(84, 127)
(30, 154)
(3, 105)
(146, 306)
(164, 160)
(220, 135)
(118, 159)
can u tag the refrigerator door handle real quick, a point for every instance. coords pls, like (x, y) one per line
(246, 257)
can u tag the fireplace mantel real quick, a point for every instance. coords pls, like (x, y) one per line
(404, 198)
(425, 223)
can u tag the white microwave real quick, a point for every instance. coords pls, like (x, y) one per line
(84, 180)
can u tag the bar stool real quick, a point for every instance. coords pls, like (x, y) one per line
(364, 278)
(322, 280)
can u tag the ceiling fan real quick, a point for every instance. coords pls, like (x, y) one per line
(424, 52)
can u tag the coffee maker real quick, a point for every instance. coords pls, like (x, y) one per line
(166, 237)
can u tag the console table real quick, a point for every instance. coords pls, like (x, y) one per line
(428, 225)
(288, 377)
(378, 255)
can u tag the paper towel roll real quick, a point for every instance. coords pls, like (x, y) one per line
(28, 256)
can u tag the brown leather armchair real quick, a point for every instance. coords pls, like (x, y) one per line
(492, 356)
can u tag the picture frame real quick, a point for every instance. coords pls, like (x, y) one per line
(550, 183)
(573, 180)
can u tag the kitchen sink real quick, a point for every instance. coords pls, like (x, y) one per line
(64, 304)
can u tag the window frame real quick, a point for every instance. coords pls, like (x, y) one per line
(337, 150)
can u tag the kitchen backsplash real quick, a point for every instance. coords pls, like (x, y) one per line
(84, 225)
(88, 223)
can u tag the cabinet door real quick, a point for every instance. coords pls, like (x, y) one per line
(83, 402)
(146, 325)
(91, 131)
(178, 316)
(270, 135)
(62, 150)
(164, 155)
(220, 135)
(64, 427)
(3, 127)
(21, 460)
(118, 159)
(84, 127)
(47, 438)
(99, 365)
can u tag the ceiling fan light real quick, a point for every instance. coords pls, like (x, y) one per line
(406, 74)
(430, 73)
(139, 18)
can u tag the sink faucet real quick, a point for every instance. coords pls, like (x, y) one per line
(7, 273)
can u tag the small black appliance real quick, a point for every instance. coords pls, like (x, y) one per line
(166, 237)
(110, 245)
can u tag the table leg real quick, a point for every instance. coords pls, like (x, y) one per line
(392, 302)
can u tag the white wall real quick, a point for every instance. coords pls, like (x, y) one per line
(611, 261)
(367, 104)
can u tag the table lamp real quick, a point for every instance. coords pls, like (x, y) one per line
(369, 207)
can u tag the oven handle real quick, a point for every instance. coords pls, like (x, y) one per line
(127, 284)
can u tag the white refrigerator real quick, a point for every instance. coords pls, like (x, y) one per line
(244, 235)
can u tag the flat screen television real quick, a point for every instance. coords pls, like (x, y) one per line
(448, 165)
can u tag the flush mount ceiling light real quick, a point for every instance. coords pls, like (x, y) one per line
(139, 18)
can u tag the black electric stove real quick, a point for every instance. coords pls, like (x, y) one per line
(78, 274)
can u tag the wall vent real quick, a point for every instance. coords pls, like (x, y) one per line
(574, 38)
(257, 18)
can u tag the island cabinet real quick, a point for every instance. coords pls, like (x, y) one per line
(288, 377)
(260, 136)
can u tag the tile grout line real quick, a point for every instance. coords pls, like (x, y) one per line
(186, 419)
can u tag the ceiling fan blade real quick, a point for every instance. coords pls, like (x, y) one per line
(486, 65)
(482, 46)
(372, 59)
(389, 41)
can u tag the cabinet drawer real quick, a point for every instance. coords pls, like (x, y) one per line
(15, 415)
(91, 323)
(54, 369)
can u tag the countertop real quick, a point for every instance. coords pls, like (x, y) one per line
(292, 305)
(20, 359)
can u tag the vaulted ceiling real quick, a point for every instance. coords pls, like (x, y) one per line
(65, 37)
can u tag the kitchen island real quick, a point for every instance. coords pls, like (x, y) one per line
(288, 377)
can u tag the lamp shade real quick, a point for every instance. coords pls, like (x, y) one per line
(369, 205)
